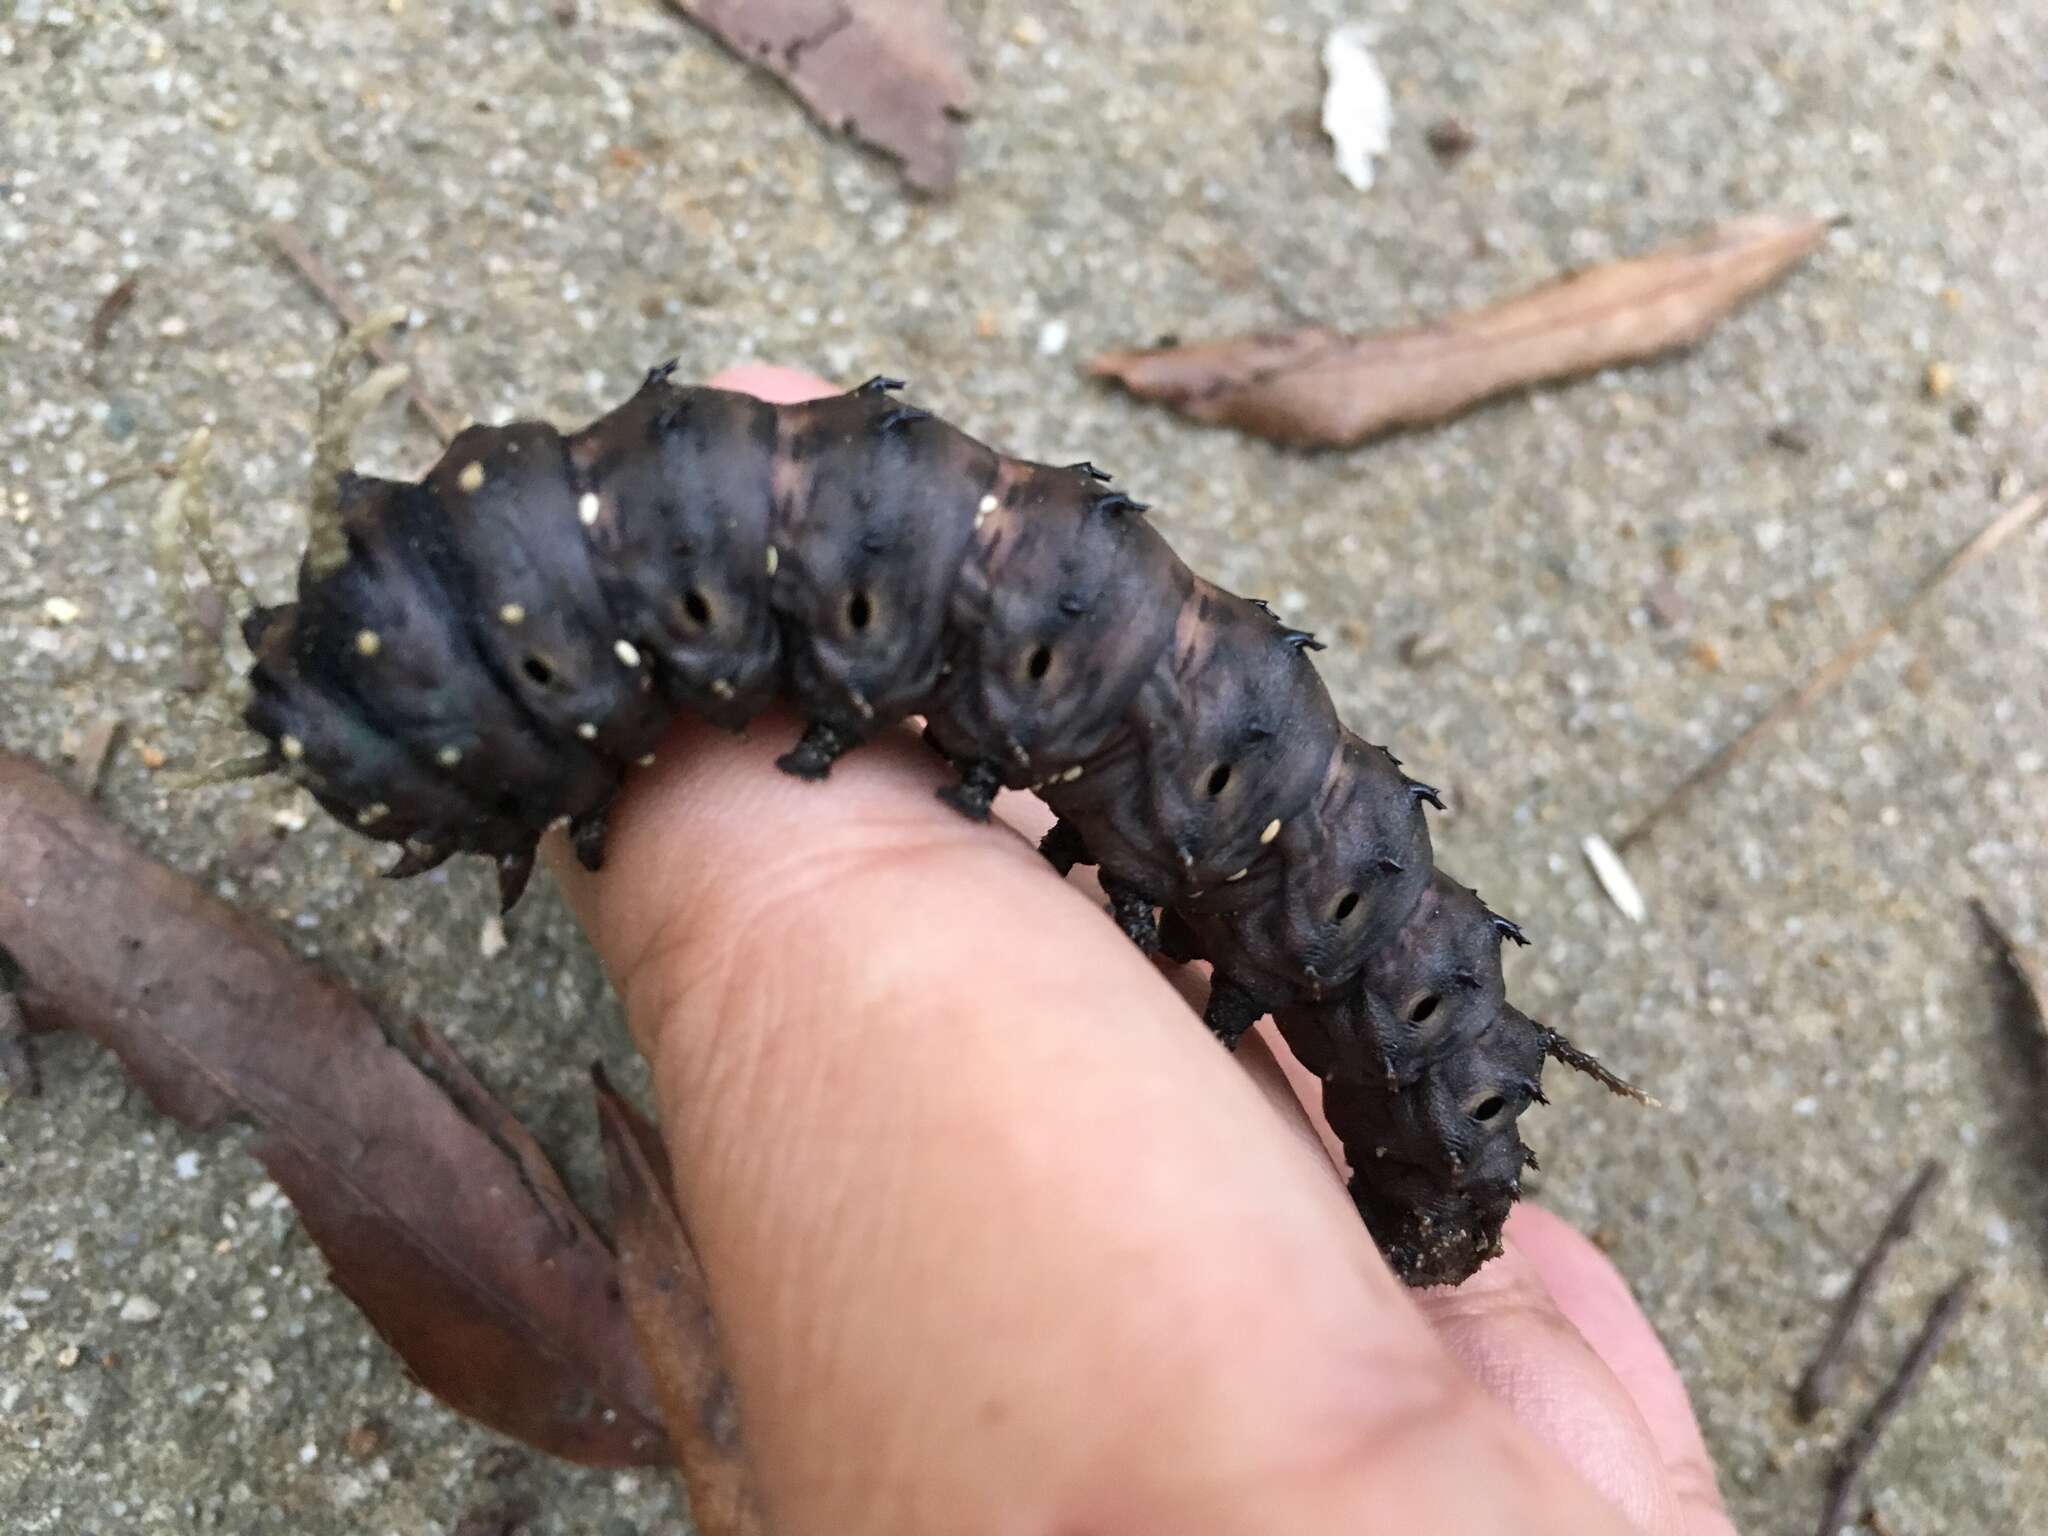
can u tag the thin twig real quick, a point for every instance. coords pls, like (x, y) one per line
(1817, 1387)
(1837, 667)
(111, 308)
(1855, 1451)
(289, 244)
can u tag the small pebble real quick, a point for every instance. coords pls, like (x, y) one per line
(61, 610)
(1938, 380)
(140, 1309)
(1450, 139)
(1052, 338)
(67, 1357)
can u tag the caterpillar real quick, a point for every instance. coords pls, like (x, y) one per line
(481, 654)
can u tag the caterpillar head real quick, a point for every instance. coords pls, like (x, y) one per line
(1446, 1154)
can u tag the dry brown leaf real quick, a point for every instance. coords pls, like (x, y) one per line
(451, 1232)
(886, 71)
(1320, 388)
(671, 1310)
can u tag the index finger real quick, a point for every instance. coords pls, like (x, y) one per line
(993, 1228)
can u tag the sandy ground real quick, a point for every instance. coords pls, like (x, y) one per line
(567, 193)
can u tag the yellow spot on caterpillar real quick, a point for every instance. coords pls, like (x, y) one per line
(1072, 774)
(472, 477)
(370, 815)
(588, 508)
(1272, 831)
(774, 559)
(720, 688)
(368, 642)
(646, 761)
(1239, 875)
(448, 757)
(626, 652)
(587, 731)
(512, 613)
(291, 747)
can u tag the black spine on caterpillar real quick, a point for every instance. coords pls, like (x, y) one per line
(505, 637)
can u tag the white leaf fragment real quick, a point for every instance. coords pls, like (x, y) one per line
(1358, 109)
(1614, 878)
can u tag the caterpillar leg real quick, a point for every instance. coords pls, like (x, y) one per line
(813, 756)
(1231, 1011)
(514, 870)
(1134, 913)
(587, 837)
(1063, 848)
(1176, 939)
(975, 792)
(342, 409)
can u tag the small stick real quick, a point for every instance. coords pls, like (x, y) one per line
(1817, 1387)
(289, 244)
(111, 308)
(1855, 1451)
(1837, 667)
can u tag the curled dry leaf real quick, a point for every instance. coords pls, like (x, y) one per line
(670, 1304)
(886, 71)
(445, 1225)
(1316, 387)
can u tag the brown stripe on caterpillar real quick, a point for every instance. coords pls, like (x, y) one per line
(483, 653)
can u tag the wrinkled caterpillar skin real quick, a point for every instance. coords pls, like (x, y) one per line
(509, 634)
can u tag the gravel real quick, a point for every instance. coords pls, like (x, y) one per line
(566, 192)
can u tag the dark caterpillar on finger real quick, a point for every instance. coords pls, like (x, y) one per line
(484, 653)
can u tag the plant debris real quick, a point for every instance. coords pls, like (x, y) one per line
(1315, 387)
(669, 1301)
(1817, 1387)
(1358, 109)
(1855, 1452)
(1838, 666)
(885, 71)
(91, 750)
(445, 1225)
(119, 300)
(298, 255)
(1614, 878)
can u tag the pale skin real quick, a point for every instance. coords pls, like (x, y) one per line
(1002, 1241)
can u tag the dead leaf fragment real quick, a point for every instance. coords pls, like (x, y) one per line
(1315, 387)
(669, 1301)
(886, 71)
(448, 1229)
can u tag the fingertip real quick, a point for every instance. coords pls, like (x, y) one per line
(772, 382)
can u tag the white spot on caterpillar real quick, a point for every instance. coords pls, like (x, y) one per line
(774, 559)
(720, 688)
(587, 509)
(368, 642)
(626, 652)
(646, 760)
(512, 613)
(370, 815)
(1614, 878)
(988, 505)
(472, 477)
(1072, 774)
(860, 702)
(1272, 831)
(1239, 875)
(587, 731)
(291, 747)
(448, 757)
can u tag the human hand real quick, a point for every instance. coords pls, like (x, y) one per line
(1000, 1240)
